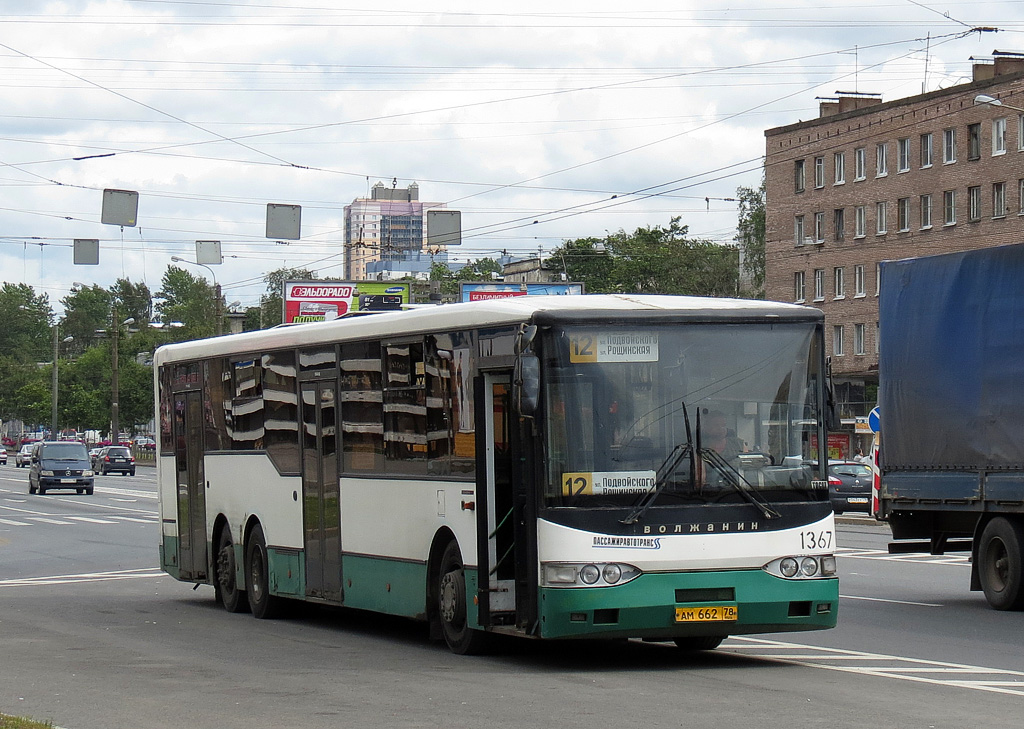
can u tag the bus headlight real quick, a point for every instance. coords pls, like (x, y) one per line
(589, 574)
(809, 567)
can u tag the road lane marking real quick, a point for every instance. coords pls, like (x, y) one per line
(898, 602)
(11, 522)
(132, 518)
(916, 670)
(91, 520)
(48, 521)
(917, 558)
(136, 574)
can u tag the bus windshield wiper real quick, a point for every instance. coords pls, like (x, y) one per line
(666, 469)
(735, 479)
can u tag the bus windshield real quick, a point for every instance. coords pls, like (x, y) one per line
(691, 413)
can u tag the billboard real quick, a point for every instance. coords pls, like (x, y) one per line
(306, 301)
(483, 291)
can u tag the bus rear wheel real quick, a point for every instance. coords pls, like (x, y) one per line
(699, 642)
(263, 605)
(1000, 564)
(228, 593)
(451, 605)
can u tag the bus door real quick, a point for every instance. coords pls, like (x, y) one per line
(321, 497)
(190, 475)
(497, 519)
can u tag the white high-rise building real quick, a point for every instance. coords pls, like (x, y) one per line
(389, 225)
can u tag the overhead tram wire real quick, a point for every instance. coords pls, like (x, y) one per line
(366, 120)
(143, 104)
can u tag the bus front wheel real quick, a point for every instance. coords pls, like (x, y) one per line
(228, 592)
(451, 605)
(263, 605)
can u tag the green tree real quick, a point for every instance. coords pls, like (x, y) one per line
(650, 260)
(750, 235)
(478, 270)
(25, 335)
(189, 300)
(86, 312)
(133, 300)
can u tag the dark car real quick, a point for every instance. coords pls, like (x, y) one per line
(849, 486)
(59, 465)
(114, 459)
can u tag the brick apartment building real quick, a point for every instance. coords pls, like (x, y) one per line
(870, 181)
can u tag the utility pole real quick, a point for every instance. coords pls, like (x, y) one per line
(115, 406)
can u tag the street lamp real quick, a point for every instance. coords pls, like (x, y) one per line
(993, 101)
(53, 403)
(219, 316)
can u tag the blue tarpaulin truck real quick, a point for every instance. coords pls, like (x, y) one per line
(951, 400)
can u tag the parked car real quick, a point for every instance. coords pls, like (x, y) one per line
(114, 459)
(3, 455)
(60, 465)
(24, 456)
(145, 443)
(849, 486)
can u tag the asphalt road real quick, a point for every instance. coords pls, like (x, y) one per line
(93, 635)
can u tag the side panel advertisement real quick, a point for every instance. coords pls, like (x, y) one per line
(308, 301)
(484, 291)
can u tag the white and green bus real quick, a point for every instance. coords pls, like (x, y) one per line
(552, 467)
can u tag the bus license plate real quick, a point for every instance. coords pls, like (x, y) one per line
(706, 614)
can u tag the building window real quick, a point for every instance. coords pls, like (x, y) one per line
(858, 339)
(876, 338)
(1020, 132)
(974, 141)
(926, 150)
(878, 279)
(839, 219)
(860, 221)
(819, 227)
(926, 211)
(858, 281)
(1020, 196)
(949, 146)
(859, 163)
(839, 161)
(998, 199)
(799, 230)
(881, 159)
(974, 203)
(819, 284)
(998, 136)
(902, 155)
(949, 207)
(837, 340)
(798, 287)
(819, 172)
(903, 214)
(880, 225)
(839, 281)
(798, 175)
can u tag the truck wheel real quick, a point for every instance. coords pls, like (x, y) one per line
(999, 564)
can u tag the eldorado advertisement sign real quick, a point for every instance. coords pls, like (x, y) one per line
(307, 301)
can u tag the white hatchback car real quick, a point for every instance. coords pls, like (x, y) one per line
(24, 456)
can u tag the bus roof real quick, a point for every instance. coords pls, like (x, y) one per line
(492, 312)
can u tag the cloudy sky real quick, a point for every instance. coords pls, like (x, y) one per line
(540, 122)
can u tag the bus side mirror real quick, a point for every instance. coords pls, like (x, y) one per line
(527, 382)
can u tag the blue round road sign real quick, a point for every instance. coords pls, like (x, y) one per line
(873, 422)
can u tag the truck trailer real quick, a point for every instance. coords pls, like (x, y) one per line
(951, 412)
